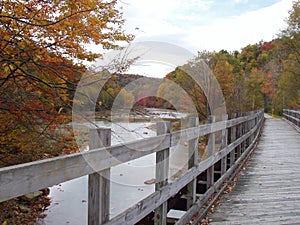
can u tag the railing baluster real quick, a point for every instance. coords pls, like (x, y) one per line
(99, 182)
(252, 125)
(162, 169)
(223, 145)
(243, 131)
(292, 116)
(210, 152)
(239, 134)
(232, 139)
(193, 161)
(99, 190)
(247, 141)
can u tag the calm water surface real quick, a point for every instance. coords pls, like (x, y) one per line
(69, 199)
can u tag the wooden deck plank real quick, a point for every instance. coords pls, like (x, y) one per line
(268, 191)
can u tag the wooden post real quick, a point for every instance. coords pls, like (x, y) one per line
(239, 134)
(252, 121)
(210, 152)
(255, 121)
(99, 182)
(232, 139)
(248, 125)
(223, 145)
(243, 145)
(193, 161)
(162, 169)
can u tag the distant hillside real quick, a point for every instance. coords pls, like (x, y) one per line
(125, 79)
(133, 90)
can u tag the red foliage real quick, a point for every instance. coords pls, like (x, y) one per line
(267, 46)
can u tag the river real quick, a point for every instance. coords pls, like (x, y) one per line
(69, 199)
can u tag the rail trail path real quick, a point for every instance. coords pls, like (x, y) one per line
(268, 192)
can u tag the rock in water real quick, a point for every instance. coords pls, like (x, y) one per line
(33, 195)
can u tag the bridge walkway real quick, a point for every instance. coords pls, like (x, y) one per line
(268, 191)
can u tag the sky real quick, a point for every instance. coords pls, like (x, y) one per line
(199, 25)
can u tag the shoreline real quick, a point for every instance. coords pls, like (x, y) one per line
(26, 209)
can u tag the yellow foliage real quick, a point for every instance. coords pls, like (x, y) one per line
(60, 109)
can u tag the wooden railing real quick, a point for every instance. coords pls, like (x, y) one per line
(293, 116)
(196, 186)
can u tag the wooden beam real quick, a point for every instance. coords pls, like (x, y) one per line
(232, 139)
(36, 175)
(162, 169)
(193, 161)
(223, 145)
(239, 134)
(142, 208)
(210, 152)
(198, 208)
(29, 177)
(99, 182)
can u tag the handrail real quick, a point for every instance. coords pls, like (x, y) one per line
(293, 116)
(29, 177)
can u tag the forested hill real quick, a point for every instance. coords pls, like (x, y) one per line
(125, 79)
(131, 90)
(262, 75)
(41, 70)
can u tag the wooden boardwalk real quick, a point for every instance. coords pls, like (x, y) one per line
(268, 191)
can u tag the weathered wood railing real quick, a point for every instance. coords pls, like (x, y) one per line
(195, 187)
(293, 116)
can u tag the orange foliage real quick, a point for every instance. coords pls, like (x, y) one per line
(40, 41)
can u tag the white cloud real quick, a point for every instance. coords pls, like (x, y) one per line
(240, 1)
(199, 25)
(237, 32)
(151, 69)
(186, 23)
(149, 17)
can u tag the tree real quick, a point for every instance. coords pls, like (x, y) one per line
(227, 67)
(289, 83)
(249, 56)
(170, 95)
(254, 88)
(190, 94)
(42, 48)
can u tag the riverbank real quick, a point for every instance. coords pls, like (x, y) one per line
(25, 209)
(128, 180)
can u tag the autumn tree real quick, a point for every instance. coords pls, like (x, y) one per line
(190, 93)
(43, 45)
(169, 94)
(254, 83)
(290, 48)
(227, 68)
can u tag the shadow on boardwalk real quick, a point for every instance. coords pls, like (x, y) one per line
(268, 192)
